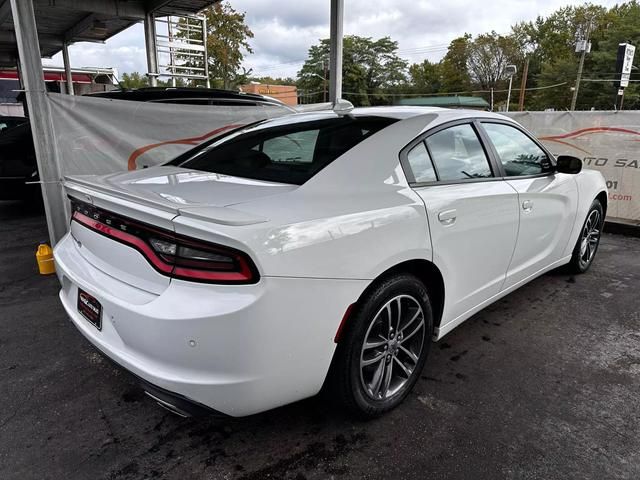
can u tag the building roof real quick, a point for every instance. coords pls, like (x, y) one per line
(445, 101)
(85, 21)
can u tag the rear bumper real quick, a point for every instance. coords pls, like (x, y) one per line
(236, 349)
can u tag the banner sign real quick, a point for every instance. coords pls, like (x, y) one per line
(605, 141)
(99, 135)
(624, 64)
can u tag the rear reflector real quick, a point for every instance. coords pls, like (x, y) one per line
(345, 318)
(173, 255)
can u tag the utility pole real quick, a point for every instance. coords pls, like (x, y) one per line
(583, 46)
(510, 70)
(523, 84)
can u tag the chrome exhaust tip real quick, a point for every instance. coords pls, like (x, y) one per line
(168, 406)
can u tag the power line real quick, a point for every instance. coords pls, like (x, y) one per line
(446, 93)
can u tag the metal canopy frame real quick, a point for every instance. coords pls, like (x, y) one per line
(32, 29)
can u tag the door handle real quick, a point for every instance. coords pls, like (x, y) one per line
(448, 217)
(527, 205)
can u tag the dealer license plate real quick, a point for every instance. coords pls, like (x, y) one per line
(90, 308)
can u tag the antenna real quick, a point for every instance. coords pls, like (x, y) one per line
(342, 107)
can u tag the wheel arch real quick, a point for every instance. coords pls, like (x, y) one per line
(602, 198)
(427, 273)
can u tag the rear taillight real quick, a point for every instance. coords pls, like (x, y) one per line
(173, 255)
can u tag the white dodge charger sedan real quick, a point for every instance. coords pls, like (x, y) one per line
(325, 248)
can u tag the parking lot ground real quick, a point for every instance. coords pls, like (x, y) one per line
(543, 384)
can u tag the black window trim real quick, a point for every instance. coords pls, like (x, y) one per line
(495, 163)
(522, 130)
(494, 166)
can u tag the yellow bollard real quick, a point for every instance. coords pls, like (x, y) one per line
(44, 257)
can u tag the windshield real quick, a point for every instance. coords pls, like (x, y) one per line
(285, 153)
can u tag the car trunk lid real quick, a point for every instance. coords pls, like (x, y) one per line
(155, 198)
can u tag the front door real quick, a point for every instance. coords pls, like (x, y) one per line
(547, 201)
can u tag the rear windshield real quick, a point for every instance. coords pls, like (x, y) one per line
(284, 153)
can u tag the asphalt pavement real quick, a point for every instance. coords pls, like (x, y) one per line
(544, 384)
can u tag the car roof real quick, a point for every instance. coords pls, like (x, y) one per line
(436, 115)
(403, 112)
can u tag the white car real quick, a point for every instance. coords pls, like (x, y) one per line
(317, 246)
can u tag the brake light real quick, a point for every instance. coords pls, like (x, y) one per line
(173, 255)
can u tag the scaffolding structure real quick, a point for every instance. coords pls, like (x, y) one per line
(180, 47)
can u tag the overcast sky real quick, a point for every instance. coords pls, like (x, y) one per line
(285, 30)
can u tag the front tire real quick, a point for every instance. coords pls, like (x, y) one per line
(587, 245)
(385, 346)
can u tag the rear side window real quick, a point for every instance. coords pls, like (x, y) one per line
(289, 153)
(420, 164)
(458, 154)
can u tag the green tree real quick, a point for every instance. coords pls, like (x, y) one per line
(488, 56)
(455, 73)
(550, 45)
(133, 80)
(425, 77)
(227, 42)
(371, 68)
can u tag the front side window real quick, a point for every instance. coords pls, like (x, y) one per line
(283, 151)
(458, 154)
(519, 154)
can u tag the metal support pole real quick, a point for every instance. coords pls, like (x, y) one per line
(205, 35)
(172, 57)
(509, 93)
(335, 54)
(55, 204)
(151, 48)
(67, 68)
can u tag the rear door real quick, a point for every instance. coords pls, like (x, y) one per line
(547, 201)
(472, 213)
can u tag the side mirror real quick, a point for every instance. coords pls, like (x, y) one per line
(568, 164)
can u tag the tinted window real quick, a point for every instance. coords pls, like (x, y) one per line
(420, 164)
(296, 147)
(282, 151)
(517, 152)
(458, 154)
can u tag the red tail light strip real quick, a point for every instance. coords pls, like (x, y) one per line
(125, 238)
(244, 274)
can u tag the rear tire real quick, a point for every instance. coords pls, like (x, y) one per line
(588, 241)
(384, 347)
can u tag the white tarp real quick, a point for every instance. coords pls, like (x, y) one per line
(98, 135)
(605, 141)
